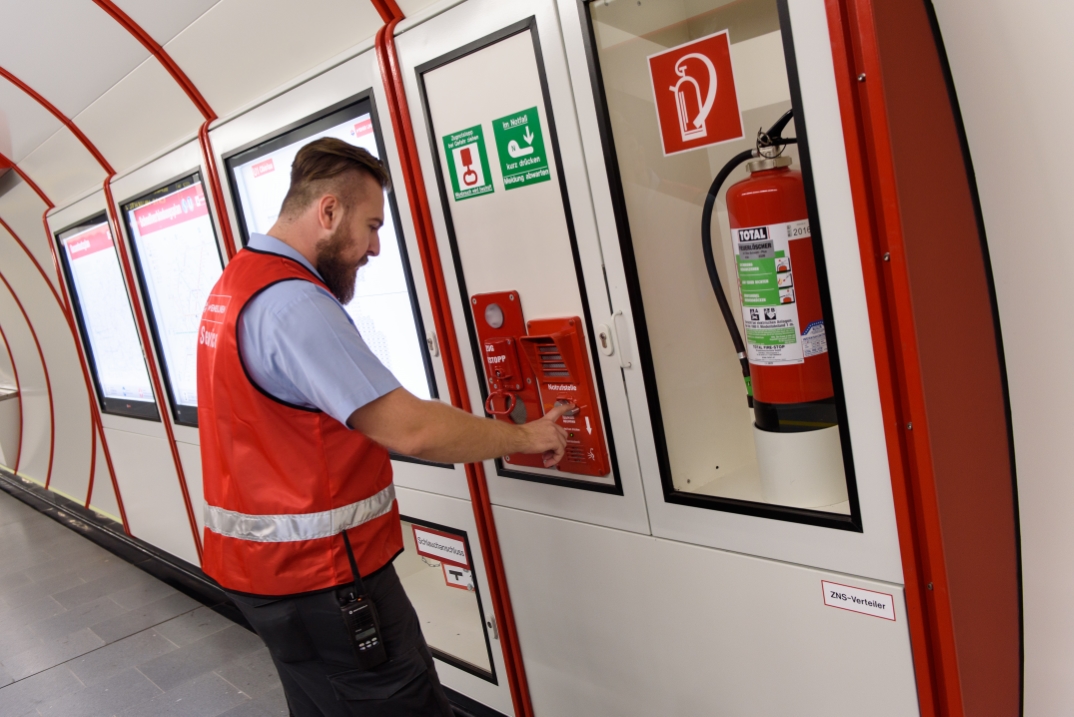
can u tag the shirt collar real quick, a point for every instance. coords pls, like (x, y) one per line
(272, 245)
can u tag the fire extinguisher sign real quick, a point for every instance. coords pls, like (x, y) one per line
(694, 90)
(468, 163)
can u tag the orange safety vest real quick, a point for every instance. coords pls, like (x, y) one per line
(281, 482)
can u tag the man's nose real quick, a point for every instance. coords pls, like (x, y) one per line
(374, 244)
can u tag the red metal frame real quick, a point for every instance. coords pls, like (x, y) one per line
(876, 194)
(885, 339)
(18, 397)
(402, 125)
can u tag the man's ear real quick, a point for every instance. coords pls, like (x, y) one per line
(329, 211)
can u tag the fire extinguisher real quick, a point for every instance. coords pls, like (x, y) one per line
(784, 356)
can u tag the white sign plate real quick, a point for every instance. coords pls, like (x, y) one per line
(440, 546)
(457, 577)
(854, 599)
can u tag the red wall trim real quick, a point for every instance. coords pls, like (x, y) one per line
(158, 387)
(18, 387)
(419, 205)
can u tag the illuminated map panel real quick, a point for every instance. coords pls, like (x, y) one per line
(383, 307)
(106, 320)
(178, 262)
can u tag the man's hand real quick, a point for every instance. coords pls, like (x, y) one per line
(546, 436)
(434, 431)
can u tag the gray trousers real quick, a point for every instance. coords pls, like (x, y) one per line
(308, 643)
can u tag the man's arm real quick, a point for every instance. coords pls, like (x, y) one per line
(435, 431)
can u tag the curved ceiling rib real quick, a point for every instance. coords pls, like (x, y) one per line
(96, 427)
(18, 397)
(48, 381)
(207, 113)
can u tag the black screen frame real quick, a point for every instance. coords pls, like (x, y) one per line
(143, 410)
(332, 116)
(851, 522)
(182, 414)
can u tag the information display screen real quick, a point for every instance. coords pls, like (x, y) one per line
(106, 320)
(178, 262)
(383, 307)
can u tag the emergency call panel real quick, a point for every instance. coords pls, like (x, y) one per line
(106, 320)
(178, 262)
(531, 367)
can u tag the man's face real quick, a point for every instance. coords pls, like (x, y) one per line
(354, 240)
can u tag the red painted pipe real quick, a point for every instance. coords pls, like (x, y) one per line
(158, 388)
(48, 382)
(456, 379)
(18, 396)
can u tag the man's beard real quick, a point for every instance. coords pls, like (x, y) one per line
(338, 275)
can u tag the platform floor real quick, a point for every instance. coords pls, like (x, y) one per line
(83, 632)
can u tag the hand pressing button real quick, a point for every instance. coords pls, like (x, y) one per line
(567, 402)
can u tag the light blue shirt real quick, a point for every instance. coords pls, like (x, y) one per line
(300, 346)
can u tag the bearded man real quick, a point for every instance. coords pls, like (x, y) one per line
(297, 418)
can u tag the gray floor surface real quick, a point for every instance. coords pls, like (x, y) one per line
(83, 632)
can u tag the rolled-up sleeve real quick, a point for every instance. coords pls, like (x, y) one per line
(299, 345)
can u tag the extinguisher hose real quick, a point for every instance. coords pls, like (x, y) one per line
(710, 264)
(773, 138)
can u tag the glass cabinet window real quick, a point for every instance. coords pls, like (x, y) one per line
(747, 399)
(437, 572)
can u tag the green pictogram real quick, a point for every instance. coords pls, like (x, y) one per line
(520, 144)
(468, 163)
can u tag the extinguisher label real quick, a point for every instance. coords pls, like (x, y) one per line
(774, 335)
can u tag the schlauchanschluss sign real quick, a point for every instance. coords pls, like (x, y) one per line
(520, 144)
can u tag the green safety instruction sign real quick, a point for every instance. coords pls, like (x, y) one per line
(520, 143)
(468, 163)
(774, 334)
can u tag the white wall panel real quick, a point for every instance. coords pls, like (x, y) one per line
(63, 168)
(242, 49)
(24, 124)
(103, 498)
(21, 208)
(164, 20)
(70, 51)
(151, 495)
(1007, 60)
(413, 7)
(190, 455)
(139, 116)
(617, 624)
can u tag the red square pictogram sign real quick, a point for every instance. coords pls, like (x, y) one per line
(694, 89)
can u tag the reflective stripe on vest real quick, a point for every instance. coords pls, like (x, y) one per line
(298, 526)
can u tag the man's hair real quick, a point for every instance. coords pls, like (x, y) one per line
(328, 165)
